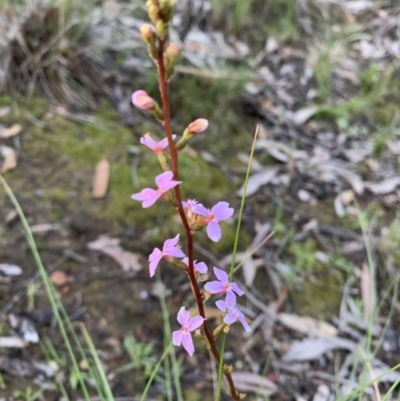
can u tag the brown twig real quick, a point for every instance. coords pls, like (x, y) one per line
(163, 86)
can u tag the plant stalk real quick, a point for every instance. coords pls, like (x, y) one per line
(163, 86)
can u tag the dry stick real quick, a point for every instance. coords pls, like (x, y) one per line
(163, 85)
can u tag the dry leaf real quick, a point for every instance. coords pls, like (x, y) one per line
(10, 158)
(110, 246)
(10, 270)
(385, 187)
(9, 132)
(101, 178)
(313, 348)
(323, 393)
(12, 342)
(259, 179)
(307, 325)
(254, 383)
(303, 115)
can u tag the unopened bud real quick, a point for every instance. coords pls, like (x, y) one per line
(162, 29)
(172, 51)
(198, 126)
(147, 32)
(142, 100)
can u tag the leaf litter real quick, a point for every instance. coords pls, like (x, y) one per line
(306, 158)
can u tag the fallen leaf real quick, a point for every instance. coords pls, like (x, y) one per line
(12, 342)
(258, 180)
(249, 269)
(10, 158)
(301, 116)
(110, 246)
(101, 178)
(42, 228)
(323, 393)
(340, 210)
(313, 348)
(307, 325)
(354, 179)
(254, 383)
(379, 369)
(9, 132)
(10, 270)
(385, 187)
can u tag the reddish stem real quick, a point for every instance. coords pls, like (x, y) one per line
(163, 85)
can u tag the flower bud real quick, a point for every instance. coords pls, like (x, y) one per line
(147, 32)
(198, 126)
(142, 100)
(172, 51)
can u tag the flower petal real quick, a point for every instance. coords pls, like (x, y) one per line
(214, 231)
(201, 210)
(151, 201)
(183, 316)
(230, 317)
(164, 177)
(221, 305)
(177, 252)
(230, 302)
(177, 337)
(230, 298)
(169, 243)
(149, 142)
(168, 185)
(221, 275)
(144, 194)
(155, 254)
(195, 323)
(245, 324)
(222, 211)
(187, 343)
(214, 287)
(236, 289)
(201, 267)
(153, 264)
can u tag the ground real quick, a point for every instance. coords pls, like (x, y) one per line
(321, 293)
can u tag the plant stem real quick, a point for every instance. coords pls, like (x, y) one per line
(163, 86)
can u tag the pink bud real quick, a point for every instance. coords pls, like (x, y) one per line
(147, 32)
(198, 126)
(142, 100)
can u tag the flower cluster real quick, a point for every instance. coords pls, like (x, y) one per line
(197, 216)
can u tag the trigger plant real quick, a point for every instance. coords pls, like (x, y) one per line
(193, 215)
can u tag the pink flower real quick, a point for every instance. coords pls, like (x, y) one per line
(149, 196)
(142, 100)
(157, 147)
(199, 267)
(219, 212)
(189, 205)
(223, 286)
(233, 314)
(198, 126)
(183, 336)
(170, 249)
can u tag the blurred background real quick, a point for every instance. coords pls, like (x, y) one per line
(320, 81)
